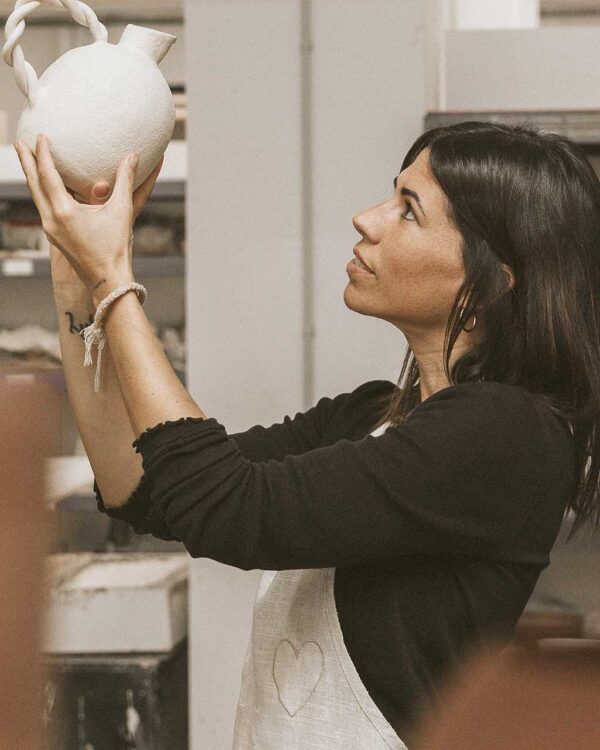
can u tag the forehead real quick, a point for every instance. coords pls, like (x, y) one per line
(419, 172)
(419, 177)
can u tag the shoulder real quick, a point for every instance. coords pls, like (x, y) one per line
(481, 440)
(498, 424)
(487, 394)
(504, 402)
(490, 412)
(501, 442)
(479, 402)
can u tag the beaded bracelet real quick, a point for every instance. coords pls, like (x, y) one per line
(95, 333)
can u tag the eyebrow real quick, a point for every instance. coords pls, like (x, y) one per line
(406, 191)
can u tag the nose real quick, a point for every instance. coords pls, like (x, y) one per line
(359, 222)
(371, 222)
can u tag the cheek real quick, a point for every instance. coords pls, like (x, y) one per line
(424, 267)
(411, 260)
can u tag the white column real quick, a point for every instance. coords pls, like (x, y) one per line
(496, 14)
(244, 286)
(439, 16)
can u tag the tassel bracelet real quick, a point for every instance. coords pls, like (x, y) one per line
(95, 333)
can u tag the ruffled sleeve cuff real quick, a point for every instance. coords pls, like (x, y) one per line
(133, 511)
(152, 443)
(170, 434)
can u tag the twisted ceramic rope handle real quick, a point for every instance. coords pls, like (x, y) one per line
(12, 52)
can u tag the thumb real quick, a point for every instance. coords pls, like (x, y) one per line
(100, 193)
(123, 189)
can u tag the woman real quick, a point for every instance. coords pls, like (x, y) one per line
(408, 523)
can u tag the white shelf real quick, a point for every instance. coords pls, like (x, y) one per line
(170, 183)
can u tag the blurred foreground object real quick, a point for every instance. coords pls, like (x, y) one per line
(29, 417)
(544, 695)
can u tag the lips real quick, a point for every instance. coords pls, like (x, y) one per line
(362, 260)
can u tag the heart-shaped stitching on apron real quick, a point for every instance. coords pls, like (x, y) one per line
(296, 673)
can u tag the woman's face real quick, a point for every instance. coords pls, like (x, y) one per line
(413, 252)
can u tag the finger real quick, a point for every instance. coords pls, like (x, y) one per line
(29, 166)
(50, 180)
(141, 195)
(99, 193)
(125, 178)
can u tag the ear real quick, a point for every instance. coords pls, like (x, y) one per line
(510, 277)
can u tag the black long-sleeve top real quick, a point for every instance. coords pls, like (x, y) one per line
(438, 528)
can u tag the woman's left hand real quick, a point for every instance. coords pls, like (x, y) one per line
(96, 239)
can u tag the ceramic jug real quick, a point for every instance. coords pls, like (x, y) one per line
(96, 103)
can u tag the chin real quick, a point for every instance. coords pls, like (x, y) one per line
(353, 304)
(348, 298)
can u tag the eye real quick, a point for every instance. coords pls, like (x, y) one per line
(408, 211)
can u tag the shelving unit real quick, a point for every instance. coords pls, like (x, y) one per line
(169, 186)
(159, 266)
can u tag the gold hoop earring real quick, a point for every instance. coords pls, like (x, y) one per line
(467, 330)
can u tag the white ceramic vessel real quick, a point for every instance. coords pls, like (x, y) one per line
(98, 102)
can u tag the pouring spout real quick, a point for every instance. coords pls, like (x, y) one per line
(153, 43)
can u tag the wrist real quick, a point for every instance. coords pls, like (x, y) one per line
(107, 284)
(71, 294)
(73, 291)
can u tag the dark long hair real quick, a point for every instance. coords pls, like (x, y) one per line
(531, 200)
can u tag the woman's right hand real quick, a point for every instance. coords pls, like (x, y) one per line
(64, 276)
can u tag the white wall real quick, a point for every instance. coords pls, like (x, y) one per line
(369, 103)
(245, 237)
(244, 222)
(467, 15)
(547, 68)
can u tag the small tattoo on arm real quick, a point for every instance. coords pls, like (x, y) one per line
(102, 281)
(73, 327)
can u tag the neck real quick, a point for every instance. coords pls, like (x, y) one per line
(428, 349)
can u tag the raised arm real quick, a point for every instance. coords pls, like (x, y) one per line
(463, 475)
(101, 417)
(103, 420)
(348, 415)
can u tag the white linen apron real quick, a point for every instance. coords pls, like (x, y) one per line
(300, 689)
